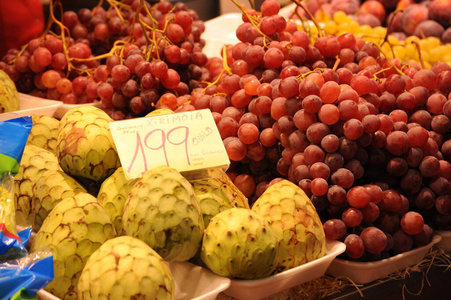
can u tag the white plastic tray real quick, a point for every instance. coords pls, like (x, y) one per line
(365, 272)
(262, 288)
(196, 283)
(44, 295)
(30, 105)
(191, 283)
(62, 109)
(445, 243)
(220, 31)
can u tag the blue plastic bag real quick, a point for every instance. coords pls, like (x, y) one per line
(22, 274)
(13, 138)
(26, 276)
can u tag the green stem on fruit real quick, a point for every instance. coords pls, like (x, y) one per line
(304, 75)
(144, 26)
(116, 46)
(389, 25)
(381, 71)
(99, 4)
(251, 19)
(153, 30)
(64, 31)
(149, 14)
(419, 54)
(209, 84)
(336, 64)
(21, 51)
(305, 28)
(312, 17)
(154, 22)
(225, 68)
(400, 72)
(115, 5)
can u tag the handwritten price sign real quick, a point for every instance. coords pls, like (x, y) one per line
(185, 141)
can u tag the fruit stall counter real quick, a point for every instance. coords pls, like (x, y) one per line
(334, 119)
(428, 277)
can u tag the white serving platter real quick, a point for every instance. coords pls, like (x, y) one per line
(445, 242)
(365, 272)
(220, 31)
(265, 287)
(31, 105)
(192, 282)
(62, 109)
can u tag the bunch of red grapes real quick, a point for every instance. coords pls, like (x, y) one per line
(366, 137)
(126, 56)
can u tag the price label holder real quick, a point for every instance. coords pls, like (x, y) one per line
(187, 141)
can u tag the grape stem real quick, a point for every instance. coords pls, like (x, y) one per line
(381, 71)
(306, 28)
(225, 68)
(336, 64)
(312, 17)
(419, 54)
(389, 27)
(114, 4)
(64, 30)
(253, 20)
(400, 72)
(304, 75)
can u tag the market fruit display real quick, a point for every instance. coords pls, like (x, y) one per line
(44, 132)
(51, 187)
(294, 219)
(9, 96)
(239, 243)
(73, 230)
(126, 268)
(85, 146)
(112, 196)
(330, 103)
(163, 211)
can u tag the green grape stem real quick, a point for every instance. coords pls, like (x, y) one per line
(419, 54)
(311, 16)
(400, 72)
(225, 68)
(253, 20)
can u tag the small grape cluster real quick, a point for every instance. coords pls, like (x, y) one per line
(402, 18)
(126, 56)
(365, 136)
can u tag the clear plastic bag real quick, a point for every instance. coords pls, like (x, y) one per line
(23, 278)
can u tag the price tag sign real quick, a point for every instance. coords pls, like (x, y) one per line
(186, 141)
